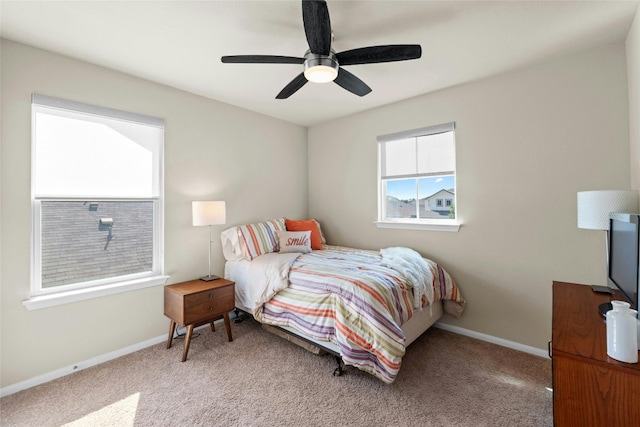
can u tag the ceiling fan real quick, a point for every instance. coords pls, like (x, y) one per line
(321, 63)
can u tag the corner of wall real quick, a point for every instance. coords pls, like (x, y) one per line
(632, 47)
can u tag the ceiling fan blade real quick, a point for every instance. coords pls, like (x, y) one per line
(292, 87)
(317, 26)
(375, 54)
(261, 59)
(351, 83)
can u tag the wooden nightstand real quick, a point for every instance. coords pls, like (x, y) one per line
(198, 302)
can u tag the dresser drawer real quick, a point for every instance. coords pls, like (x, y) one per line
(223, 293)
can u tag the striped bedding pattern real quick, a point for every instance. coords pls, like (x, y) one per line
(260, 238)
(348, 297)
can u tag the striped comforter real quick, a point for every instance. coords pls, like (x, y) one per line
(351, 298)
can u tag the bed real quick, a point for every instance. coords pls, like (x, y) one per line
(363, 306)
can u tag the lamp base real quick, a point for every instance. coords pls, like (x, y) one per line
(209, 278)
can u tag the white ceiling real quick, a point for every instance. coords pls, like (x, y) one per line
(179, 43)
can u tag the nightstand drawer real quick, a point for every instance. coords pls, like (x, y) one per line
(205, 311)
(224, 293)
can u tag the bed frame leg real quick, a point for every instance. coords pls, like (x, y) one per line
(338, 371)
(240, 315)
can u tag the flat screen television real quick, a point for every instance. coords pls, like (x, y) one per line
(624, 255)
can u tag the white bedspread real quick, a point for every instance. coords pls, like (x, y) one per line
(267, 275)
(415, 268)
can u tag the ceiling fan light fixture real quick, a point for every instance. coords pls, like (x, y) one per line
(321, 74)
(320, 68)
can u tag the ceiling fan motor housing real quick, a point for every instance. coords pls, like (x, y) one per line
(320, 68)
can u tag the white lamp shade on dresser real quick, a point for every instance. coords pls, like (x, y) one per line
(594, 207)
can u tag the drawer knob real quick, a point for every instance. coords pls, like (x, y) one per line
(210, 295)
(210, 308)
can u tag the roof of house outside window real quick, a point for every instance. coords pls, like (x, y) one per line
(77, 246)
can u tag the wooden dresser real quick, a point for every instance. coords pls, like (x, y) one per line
(589, 388)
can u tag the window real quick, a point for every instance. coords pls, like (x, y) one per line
(97, 178)
(417, 179)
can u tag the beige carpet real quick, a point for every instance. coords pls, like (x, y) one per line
(262, 380)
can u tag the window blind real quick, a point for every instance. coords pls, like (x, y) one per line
(83, 150)
(418, 153)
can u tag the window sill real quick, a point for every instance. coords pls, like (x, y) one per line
(453, 227)
(50, 300)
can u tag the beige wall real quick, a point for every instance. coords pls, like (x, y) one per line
(212, 152)
(526, 141)
(633, 73)
(538, 135)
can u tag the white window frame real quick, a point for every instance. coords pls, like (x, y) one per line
(46, 297)
(411, 223)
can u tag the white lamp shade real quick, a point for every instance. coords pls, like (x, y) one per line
(594, 207)
(209, 213)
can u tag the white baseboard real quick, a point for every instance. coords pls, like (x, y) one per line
(494, 340)
(71, 369)
(58, 373)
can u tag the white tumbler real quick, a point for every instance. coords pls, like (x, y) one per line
(622, 333)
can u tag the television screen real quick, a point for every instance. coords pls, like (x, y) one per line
(623, 255)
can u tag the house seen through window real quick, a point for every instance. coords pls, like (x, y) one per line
(97, 196)
(417, 176)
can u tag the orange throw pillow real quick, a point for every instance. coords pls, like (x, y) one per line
(306, 225)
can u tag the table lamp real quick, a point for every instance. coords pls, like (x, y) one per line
(594, 208)
(208, 213)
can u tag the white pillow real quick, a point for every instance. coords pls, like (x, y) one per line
(294, 241)
(230, 244)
